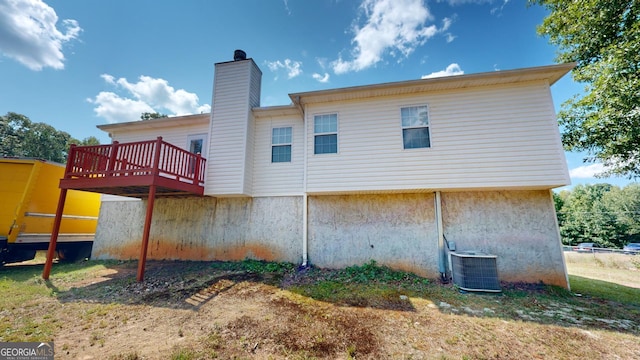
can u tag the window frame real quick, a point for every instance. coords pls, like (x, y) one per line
(419, 126)
(289, 144)
(325, 133)
(200, 136)
(203, 151)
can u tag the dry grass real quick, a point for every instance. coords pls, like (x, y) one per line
(252, 310)
(615, 268)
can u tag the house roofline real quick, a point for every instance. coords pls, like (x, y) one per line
(280, 110)
(157, 123)
(550, 73)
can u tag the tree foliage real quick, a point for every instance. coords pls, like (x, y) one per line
(603, 38)
(21, 137)
(601, 213)
(149, 116)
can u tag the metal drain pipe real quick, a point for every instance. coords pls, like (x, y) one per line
(442, 252)
(305, 229)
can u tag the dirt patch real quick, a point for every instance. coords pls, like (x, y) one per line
(198, 310)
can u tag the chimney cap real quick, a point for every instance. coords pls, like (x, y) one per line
(239, 55)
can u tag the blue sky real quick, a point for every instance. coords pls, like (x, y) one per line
(78, 64)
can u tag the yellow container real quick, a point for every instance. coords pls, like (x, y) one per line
(29, 196)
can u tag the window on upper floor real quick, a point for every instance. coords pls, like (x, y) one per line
(197, 144)
(415, 127)
(281, 144)
(325, 131)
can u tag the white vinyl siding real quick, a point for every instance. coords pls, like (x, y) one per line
(483, 138)
(176, 135)
(284, 178)
(236, 91)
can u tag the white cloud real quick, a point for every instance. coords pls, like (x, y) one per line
(446, 24)
(391, 27)
(293, 68)
(149, 95)
(30, 35)
(321, 78)
(118, 109)
(451, 70)
(586, 171)
(286, 7)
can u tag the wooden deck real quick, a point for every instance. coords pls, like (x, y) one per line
(144, 169)
(130, 169)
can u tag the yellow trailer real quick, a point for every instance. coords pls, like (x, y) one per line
(28, 199)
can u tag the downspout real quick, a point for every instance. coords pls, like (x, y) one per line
(442, 253)
(305, 196)
(305, 227)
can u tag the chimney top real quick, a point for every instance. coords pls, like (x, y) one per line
(239, 55)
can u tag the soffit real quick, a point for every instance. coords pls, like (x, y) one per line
(551, 74)
(167, 122)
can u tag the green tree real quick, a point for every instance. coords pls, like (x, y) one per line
(12, 129)
(600, 213)
(603, 38)
(579, 224)
(625, 204)
(559, 202)
(21, 137)
(149, 116)
(91, 140)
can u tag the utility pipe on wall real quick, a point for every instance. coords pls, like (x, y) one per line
(305, 227)
(442, 253)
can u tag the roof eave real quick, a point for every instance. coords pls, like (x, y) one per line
(550, 73)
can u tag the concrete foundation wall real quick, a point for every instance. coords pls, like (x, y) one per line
(394, 230)
(398, 230)
(518, 226)
(204, 228)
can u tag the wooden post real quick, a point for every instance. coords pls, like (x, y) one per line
(58, 219)
(196, 172)
(145, 234)
(54, 235)
(147, 221)
(111, 167)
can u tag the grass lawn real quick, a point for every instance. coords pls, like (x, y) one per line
(257, 310)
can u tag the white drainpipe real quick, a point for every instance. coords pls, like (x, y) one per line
(305, 227)
(442, 254)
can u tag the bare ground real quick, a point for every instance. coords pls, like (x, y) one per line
(188, 310)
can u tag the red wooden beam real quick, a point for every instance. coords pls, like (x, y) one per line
(147, 220)
(58, 219)
(54, 235)
(145, 234)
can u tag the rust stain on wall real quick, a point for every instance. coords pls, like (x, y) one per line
(167, 250)
(197, 228)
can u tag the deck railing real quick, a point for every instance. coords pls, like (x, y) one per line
(153, 157)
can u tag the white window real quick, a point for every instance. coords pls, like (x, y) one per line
(325, 130)
(281, 144)
(197, 144)
(415, 127)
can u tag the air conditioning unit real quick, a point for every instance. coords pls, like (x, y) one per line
(475, 271)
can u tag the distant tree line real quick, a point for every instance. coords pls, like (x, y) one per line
(603, 214)
(21, 137)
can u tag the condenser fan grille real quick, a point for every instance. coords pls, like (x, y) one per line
(474, 271)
